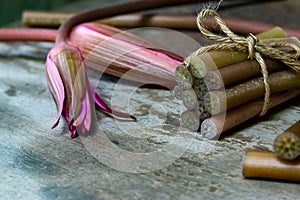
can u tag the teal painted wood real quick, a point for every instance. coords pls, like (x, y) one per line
(39, 163)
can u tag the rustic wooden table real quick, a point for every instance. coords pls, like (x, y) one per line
(39, 163)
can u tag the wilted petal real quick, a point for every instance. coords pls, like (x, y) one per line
(71, 88)
(56, 87)
(73, 131)
(88, 118)
(67, 82)
(85, 117)
(101, 104)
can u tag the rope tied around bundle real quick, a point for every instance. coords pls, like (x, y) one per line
(256, 49)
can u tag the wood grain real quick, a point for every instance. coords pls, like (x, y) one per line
(39, 163)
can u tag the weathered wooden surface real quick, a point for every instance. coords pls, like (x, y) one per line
(39, 163)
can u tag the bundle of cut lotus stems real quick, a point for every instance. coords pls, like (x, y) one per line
(222, 89)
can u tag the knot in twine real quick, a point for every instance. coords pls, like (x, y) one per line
(255, 48)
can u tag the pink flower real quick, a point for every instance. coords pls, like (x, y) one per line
(101, 46)
(71, 89)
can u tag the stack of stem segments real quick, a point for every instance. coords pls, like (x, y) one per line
(222, 89)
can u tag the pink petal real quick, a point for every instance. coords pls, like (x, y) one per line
(88, 118)
(85, 117)
(100, 102)
(72, 128)
(56, 87)
(73, 131)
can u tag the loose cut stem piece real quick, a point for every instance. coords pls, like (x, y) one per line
(45, 18)
(258, 164)
(287, 144)
(200, 64)
(220, 101)
(216, 125)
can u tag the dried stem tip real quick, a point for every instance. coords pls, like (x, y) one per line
(259, 164)
(287, 144)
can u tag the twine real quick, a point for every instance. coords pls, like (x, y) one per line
(256, 49)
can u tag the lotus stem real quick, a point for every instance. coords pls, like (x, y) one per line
(27, 34)
(258, 164)
(213, 60)
(216, 125)
(123, 8)
(246, 70)
(40, 19)
(245, 26)
(220, 101)
(200, 64)
(45, 18)
(287, 144)
(239, 72)
(55, 19)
